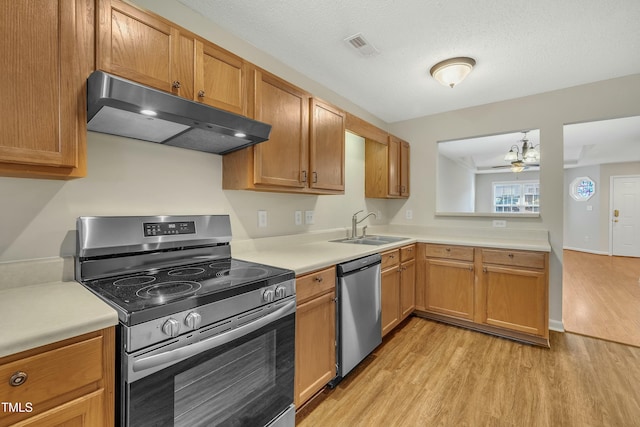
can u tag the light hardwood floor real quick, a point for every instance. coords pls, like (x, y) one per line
(430, 374)
(601, 296)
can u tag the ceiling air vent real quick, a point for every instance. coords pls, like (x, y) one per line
(361, 45)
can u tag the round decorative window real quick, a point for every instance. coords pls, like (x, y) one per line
(582, 188)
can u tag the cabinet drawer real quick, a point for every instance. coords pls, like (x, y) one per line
(52, 373)
(390, 258)
(314, 284)
(407, 253)
(462, 253)
(514, 258)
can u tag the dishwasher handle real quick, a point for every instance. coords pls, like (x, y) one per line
(356, 265)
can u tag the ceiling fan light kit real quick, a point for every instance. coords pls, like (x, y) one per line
(451, 72)
(522, 158)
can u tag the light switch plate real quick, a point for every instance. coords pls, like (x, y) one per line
(408, 214)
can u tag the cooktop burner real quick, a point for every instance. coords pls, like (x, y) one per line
(169, 289)
(193, 283)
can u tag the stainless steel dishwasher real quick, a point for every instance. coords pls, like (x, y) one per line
(359, 326)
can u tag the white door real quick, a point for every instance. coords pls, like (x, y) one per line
(625, 216)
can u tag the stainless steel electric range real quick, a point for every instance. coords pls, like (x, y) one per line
(204, 339)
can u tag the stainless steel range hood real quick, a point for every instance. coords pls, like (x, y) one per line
(120, 107)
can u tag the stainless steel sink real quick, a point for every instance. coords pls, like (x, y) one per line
(371, 240)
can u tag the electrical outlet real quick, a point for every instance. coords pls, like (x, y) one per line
(408, 214)
(308, 217)
(262, 219)
(298, 217)
(499, 223)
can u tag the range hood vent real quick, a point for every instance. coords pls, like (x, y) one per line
(120, 107)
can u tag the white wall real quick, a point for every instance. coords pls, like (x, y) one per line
(131, 177)
(581, 225)
(547, 112)
(589, 230)
(456, 186)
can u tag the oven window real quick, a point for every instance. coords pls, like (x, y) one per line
(205, 393)
(246, 382)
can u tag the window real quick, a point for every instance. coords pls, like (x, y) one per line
(516, 197)
(582, 188)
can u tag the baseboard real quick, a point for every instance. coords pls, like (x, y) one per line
(585, 250)
(556, 325)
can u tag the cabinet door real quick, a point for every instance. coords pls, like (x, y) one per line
(85, 411)
(283, 159)
(407, 288)
(404, 168)
(450, 288)
(390, 296)
(135, 45)
(220, 78)
(326, 147)
(315, 346)
(394, 166)
(514, 298)
(47, 52)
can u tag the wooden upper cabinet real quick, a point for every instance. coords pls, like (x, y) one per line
(326, 157)
(305, 150)
(150, 50)
(394, 166)
(405, 156)
(387, 168)
(220, 78)
(283, 159)
(136, 45)
(47, 51)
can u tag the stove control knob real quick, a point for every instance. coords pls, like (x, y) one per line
(268, 295)
(193, 320)
(171, 327)
(281, 292)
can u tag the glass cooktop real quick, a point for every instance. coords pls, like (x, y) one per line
(199, 282)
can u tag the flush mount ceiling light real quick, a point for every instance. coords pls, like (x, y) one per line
(452, 71)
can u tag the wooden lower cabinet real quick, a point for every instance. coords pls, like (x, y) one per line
(515, 296)
(69, 383)
(498, 291)
(315, 363)
(398, 286)
(390, 297)
(450, 287)
(407, 280)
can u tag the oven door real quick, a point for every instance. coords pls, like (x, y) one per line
(236, 373)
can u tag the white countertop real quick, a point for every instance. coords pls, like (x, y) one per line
(41, 304)
(304, 254)
(32, 315)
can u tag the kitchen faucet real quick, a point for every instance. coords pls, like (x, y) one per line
(355, 222)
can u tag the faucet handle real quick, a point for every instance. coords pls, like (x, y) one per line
(364, 231)
(356, 214)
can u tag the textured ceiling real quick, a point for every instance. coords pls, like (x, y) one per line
(522, 47)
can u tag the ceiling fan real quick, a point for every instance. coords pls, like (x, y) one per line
(521, 158)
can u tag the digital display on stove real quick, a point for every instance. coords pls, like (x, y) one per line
(152, 229)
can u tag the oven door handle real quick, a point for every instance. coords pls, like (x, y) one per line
(182, 353)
